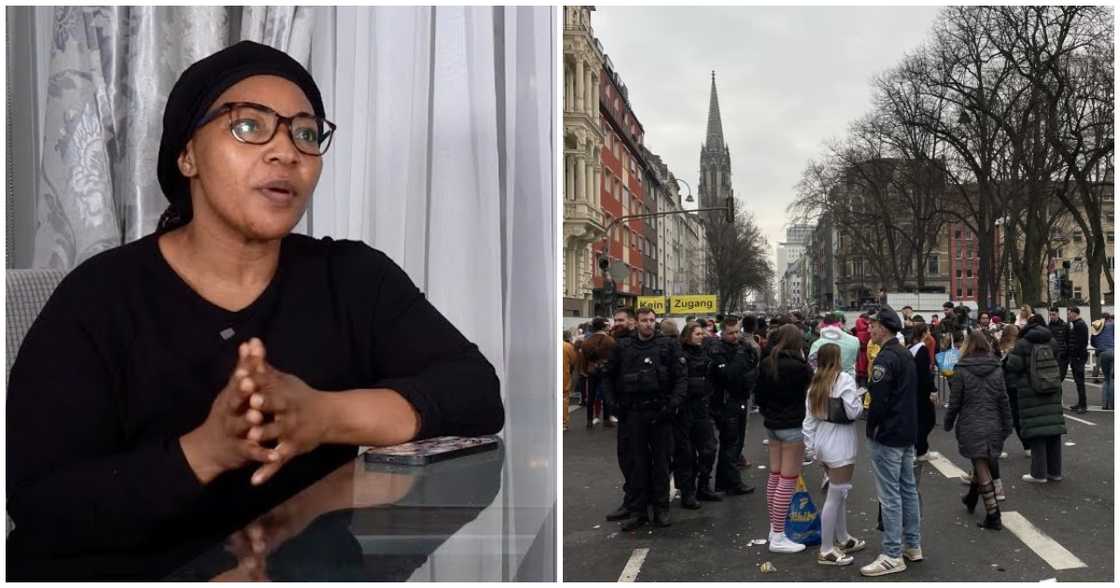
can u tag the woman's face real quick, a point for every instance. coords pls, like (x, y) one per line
(260, 191)
(697, 336)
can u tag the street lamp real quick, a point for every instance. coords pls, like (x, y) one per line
(689, 199)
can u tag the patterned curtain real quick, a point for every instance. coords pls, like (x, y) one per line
(111, 69)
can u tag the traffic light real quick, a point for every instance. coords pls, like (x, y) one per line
(1066, 292)
(729, 214)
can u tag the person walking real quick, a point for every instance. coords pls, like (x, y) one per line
(693, 437)
(1077, 348)
(783, 381)
(1041, 418)
(1007, 341)
(891, 431)
(979, 410)
(829, 433)
(1104, 341)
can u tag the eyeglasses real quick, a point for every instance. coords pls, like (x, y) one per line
(256, 124)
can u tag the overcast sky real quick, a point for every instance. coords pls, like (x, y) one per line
(788, 79)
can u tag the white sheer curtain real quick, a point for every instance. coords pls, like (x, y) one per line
(443, 160)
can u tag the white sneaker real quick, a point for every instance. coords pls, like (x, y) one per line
(834, 558)
(883, 565)
(1027, 452)
(922, 457)
(765, 441)
(912, 553)
(594, 421)
(1032, 479)
(852, 545)
(779, 543)
(614, 420)
(1003, 455)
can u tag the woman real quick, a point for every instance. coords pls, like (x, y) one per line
(863, 333)
(927, 391)
(693, 430)
(669, 328)
(782, 383)
(1025, 313)
(596, 350)
(1041, 420)
(832, 437)
(979, 409)
(1007, 342)
(168, 410)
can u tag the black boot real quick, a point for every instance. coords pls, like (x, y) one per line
(972, 497)
(706, 495)
(661, 518)
(635, 523)
(689, 501)
(621, 514)
(991, 521)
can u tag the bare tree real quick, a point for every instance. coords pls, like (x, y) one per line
(738, 258)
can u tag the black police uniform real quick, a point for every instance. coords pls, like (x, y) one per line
(694, 440)
(622, 446)
(648, 380)
(734, 371)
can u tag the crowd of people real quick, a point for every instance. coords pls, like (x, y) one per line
(679, 397)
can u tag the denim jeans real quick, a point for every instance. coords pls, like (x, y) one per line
(1105, 359)
(898, 496)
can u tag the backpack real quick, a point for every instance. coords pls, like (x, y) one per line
(1043, 370)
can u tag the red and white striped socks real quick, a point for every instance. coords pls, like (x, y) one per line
(771, 486)
(779, 501)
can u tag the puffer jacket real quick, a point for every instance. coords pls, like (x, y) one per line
(781, 399)
(978, 407)
(1040, 415)
(1058, 330)
(699, 388)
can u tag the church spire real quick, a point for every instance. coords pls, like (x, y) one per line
(714, 138)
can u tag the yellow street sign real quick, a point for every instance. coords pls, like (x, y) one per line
(693, 304)
(657, 303)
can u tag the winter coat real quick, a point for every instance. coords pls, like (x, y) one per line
(848, 344)
(1058, 330)
(1077, 341)
(1104, 341)
(781, 399)
(1040, 415)
(978, 407)
(863, 333)
(699, 388)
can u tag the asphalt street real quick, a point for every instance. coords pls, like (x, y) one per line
(1064, 531)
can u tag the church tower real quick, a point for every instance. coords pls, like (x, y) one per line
(715, 159)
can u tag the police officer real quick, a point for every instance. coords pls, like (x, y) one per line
(892, 427)
(646, 374)
(621, 329)
(734, 371)
(694, 442)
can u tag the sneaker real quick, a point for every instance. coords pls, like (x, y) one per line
(913, 553)
(594, 421)
(852, 545)
(1054, 478)
(614, 420)
(923, 457)
(1027, 452)
(1003, 455)
(1032, 479)
(765, 441)
(779, 543)
(834, 558)
(883, 565)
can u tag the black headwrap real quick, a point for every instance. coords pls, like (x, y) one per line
(191, 99)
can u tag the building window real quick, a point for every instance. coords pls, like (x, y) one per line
(1077, 292)
(958, 292)
(1077, 237)
(957, 235)
(958, 274)
(958, 253)
(1110, 236)
(969, 293)
(933, 267)
(970, 253)
(968, 273)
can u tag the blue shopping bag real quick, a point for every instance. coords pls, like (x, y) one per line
(947, 360)
(803, 522)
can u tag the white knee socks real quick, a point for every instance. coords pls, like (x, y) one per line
(834, 516)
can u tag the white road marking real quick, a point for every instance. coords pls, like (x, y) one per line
(1050, 551)
(946, 467)
(634, 565)
(1073, 418)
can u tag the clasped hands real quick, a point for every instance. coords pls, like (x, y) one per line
(262, 415)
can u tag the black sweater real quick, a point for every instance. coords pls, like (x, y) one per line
(125, 358)
(781, 397)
